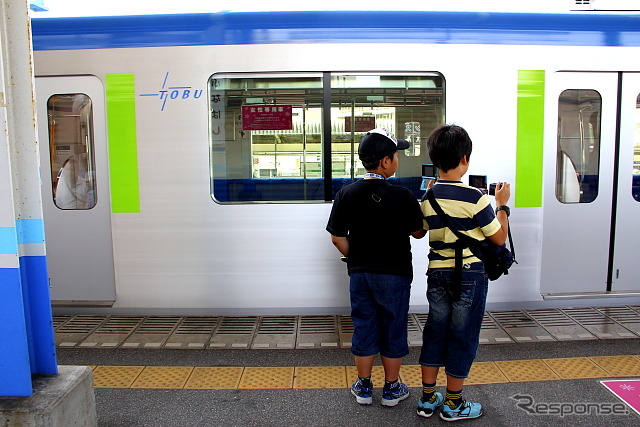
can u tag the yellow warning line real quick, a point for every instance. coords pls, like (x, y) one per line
(322, 377)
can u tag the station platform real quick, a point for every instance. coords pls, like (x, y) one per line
(534, 367)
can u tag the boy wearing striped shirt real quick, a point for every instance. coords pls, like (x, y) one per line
(452, 330)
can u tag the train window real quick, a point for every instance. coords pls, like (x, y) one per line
(578, 149)
(269, 142)
(266, 137)
(635, 186)
(71, 148)
(410, 106)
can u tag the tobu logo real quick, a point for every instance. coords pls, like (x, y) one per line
(167, 93)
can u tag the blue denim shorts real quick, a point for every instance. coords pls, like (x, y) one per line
(379, 310)
(452, 330)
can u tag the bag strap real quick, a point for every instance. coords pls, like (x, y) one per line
(458, 246)
(382, 190)
(434, 204)
(432, 199)
(513, 250)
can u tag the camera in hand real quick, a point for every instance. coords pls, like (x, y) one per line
(480, 181)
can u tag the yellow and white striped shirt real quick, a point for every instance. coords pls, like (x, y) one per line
(469, 211)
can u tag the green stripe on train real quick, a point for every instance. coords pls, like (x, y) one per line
(530, 138)
(123, 150)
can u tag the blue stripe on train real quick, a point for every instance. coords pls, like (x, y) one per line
(233, 28)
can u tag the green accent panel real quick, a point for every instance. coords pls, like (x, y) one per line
(123, 147)
(530, 138)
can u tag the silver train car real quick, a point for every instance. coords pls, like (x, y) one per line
(189, 161)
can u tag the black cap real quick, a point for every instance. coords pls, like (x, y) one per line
(379, 143)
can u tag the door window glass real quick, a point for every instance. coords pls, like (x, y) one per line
(71, 146)
(578, 149)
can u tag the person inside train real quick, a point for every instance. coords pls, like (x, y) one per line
(370, 223)
(452, 331)
(73, 189)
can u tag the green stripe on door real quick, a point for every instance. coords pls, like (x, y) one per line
(123, 148)
(530, 138)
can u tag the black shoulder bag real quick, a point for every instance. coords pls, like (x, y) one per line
(496, 259)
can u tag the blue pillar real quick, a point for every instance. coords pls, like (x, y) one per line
(15, 370)
(27, 344)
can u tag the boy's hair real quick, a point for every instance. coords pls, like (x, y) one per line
(370, 166)
(447, 145)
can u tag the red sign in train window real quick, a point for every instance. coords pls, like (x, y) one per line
(363, 124)
(266, 117)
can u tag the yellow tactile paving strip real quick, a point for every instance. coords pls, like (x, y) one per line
(319, 377)
(223, 377)
(266, 378)
(163, 377)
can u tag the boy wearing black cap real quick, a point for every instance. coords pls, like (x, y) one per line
(370, 224)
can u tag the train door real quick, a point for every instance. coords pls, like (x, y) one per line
(590, 123)
(75, 189)
(624, 269)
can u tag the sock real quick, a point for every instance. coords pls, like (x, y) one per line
(390, 384)
(453, 399)
(428, 392)
(366, 382)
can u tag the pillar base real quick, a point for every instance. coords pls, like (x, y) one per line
(61, 400)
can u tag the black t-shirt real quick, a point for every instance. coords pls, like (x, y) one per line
(377, 218)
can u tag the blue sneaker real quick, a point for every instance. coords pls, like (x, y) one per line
(426, 409)
(465, 411)
(391, 396)
(362, 394)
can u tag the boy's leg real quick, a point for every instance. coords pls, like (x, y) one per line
(364, 364)
(362, 388)
(431, 400)
(391, 368)
(463, 339)
(434, 340)
(364, 342)
(393, 391)
(433, 353)
(429, 374)
(392, 294)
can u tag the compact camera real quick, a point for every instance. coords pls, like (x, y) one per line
(480, 181)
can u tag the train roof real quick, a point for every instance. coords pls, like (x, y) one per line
(238, 28)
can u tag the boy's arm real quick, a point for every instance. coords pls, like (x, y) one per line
(500, 236)
(503, 192)
(342, 243)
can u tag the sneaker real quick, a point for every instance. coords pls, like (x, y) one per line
(362, 394)
(391, 396)
(426, 409)
(465, 411)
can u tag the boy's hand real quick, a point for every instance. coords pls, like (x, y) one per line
(503, 193)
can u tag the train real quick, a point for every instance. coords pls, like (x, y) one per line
(189, 162)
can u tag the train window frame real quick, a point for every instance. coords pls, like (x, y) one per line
(71, 149)
(309, 179)
(578, 146)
